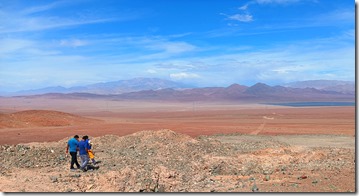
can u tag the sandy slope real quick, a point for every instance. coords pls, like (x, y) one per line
(41, 118)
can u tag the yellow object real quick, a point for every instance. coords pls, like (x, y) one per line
(91, 155)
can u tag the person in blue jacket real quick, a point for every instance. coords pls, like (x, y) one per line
(72, 147)
(83, 151)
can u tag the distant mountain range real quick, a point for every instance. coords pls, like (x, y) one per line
(165, 90)
(259, 92)
(106, 88)
(327, 85)
(152, 85)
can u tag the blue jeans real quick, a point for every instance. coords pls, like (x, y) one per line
(84, 161)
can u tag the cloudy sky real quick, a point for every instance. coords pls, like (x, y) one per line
(198, 42)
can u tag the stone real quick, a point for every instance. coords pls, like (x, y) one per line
(302, 177)
(62, 158)
(266, 172)
(295, 185)
(267, 178)
(53, 179)
(255, 188)
(161, 188)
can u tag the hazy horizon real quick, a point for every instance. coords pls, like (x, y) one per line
(43, 87)
(200, 43)
(188, 85)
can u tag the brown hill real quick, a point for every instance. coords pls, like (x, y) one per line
(41, 118)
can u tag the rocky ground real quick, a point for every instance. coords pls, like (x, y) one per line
(166, 161)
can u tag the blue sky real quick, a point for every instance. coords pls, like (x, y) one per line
(198, 42)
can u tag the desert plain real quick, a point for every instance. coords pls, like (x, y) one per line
(153, 146)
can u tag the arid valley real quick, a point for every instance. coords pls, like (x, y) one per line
(177, 146)
(178, 96)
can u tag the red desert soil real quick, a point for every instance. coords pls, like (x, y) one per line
(41, 118)
(205, 120)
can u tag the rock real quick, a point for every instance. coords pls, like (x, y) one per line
(161, 188)
(314, 181)
(266, 172)
(266, 178)
(302, 177)
(295, 185)
(255, 188)
(62, 158)
(53, 179)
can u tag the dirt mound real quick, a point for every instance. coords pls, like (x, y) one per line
(166, 161)
(41, 118)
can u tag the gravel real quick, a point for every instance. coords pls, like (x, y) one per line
(166, 161)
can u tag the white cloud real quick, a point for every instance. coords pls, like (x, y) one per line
(241, 17)
(151, 71)
(337, 16)
(151, 47)
(155, 48)
(169, 46)
(11, 45)
(244, 7)
(232, 25)
(177, 65)
(19, 24)
(73, 43)
(183, 75)
(247, 17)
(36, 9)
(276, 1)
(15, 19)
(290, 69)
